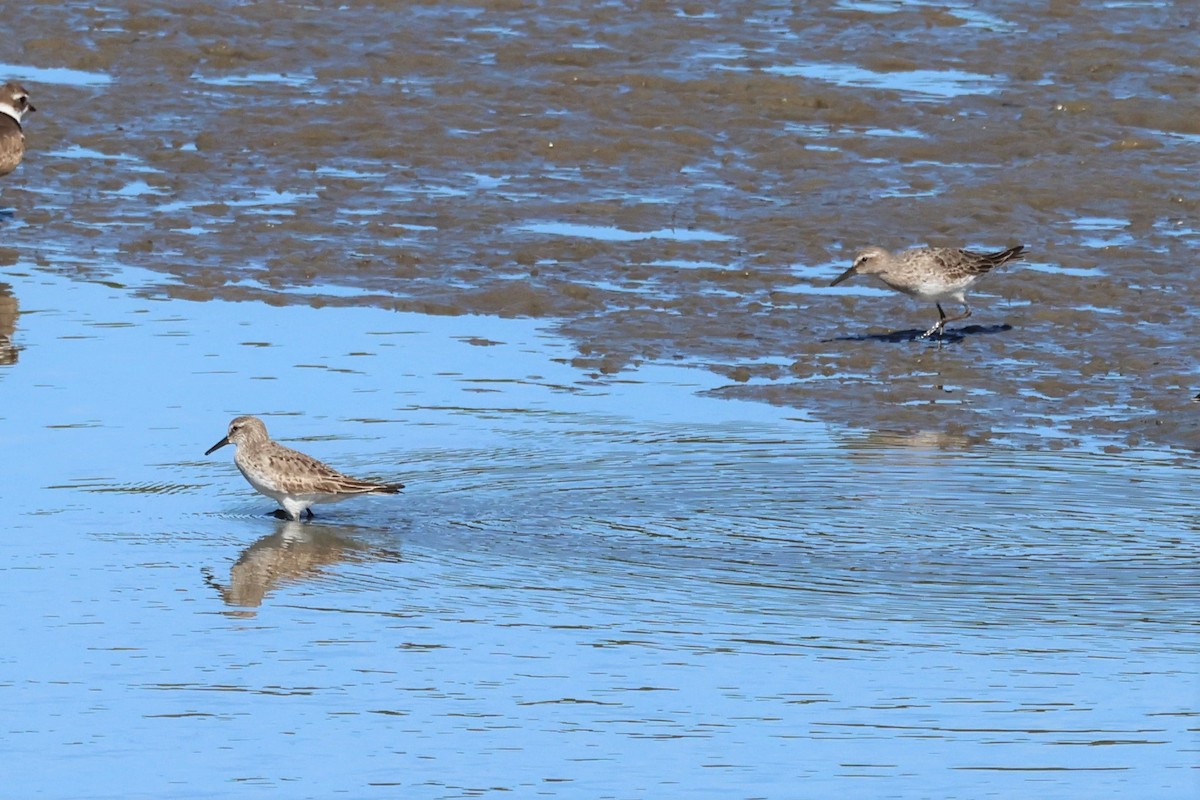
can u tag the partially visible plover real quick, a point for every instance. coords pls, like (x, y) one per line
(287, 476)
(933, 274)
(14, 104)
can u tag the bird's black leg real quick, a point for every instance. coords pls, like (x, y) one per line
(966, 313)
(939, 325)
(310, 514)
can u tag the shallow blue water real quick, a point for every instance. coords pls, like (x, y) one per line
(592, 587)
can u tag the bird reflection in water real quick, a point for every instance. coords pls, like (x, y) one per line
(8, 325)
(295, 553)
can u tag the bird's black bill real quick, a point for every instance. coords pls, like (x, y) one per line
(217, 446)
(843, 276)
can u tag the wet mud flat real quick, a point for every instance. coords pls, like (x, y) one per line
(668, 183)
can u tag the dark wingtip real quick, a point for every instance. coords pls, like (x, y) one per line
(393, 488)
(990, 261)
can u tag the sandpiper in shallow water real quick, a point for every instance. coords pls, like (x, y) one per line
(933, 274)
(287, 476)
(14, 105)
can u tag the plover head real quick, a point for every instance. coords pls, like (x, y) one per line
(14, 101)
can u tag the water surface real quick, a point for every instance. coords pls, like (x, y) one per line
(592, 586)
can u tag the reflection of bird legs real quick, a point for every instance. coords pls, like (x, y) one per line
(279, 513)
(940, 326)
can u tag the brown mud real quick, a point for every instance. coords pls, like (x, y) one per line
(663, 182)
